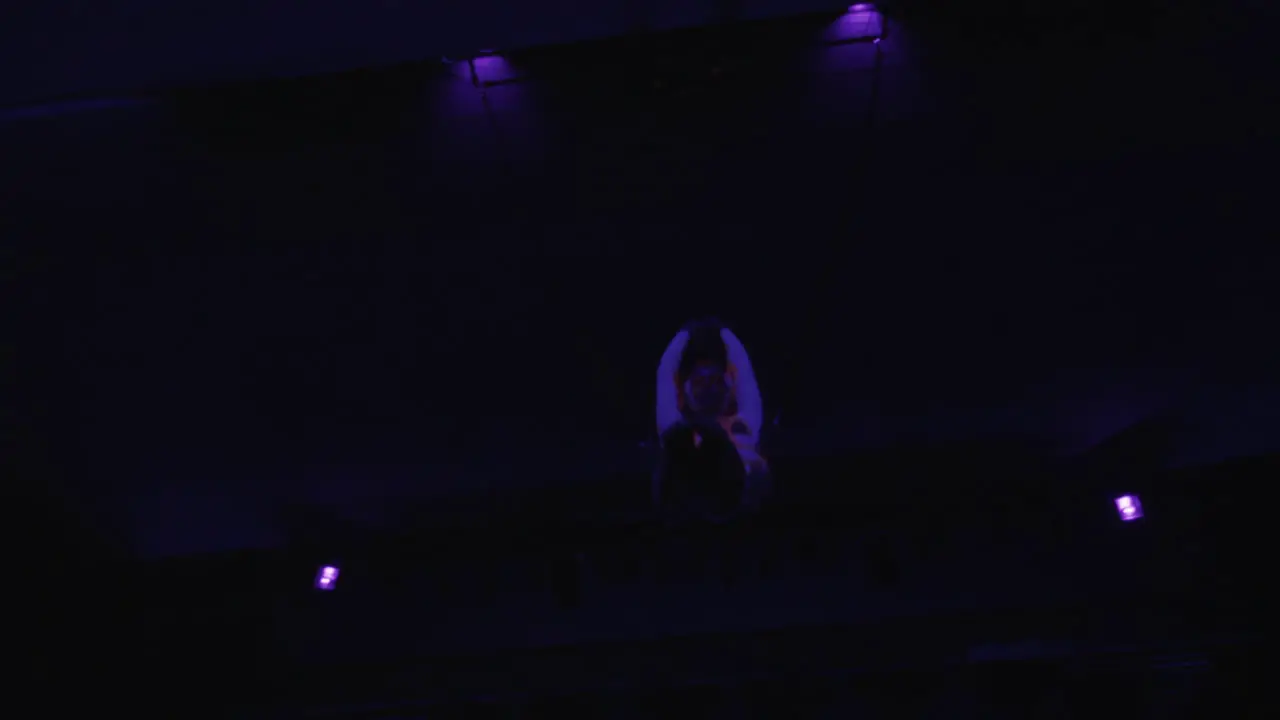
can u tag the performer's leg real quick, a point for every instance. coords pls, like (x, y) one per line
(675, 465)
(724, 475)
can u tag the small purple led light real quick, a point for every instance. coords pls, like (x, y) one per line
(861, 7)
(1129, 507)
(327, 578)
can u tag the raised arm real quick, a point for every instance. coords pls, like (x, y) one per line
(668, 405)
(750, 408)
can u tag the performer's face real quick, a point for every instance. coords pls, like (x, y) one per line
(706, 388)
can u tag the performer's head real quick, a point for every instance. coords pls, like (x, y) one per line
(706, 388)
(704, 370)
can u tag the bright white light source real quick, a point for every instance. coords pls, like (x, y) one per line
(327, 578)
(1129, 507)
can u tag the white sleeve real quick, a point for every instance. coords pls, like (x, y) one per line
(750, 408)
(668, 406)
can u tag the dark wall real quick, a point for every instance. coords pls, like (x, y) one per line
(382, 287)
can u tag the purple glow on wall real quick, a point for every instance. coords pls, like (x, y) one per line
(480, 85)
(862, 22)
(1129, 507)
(491, 69)
(327, 578)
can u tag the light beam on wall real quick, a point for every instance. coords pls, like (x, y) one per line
(861, 22)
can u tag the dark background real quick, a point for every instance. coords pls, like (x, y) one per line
(300, 319)
(69, 50)
(370, 290)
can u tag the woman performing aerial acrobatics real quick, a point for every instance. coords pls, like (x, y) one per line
(709, 420)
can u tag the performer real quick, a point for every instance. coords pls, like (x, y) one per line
(709, 417)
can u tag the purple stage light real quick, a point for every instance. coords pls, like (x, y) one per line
(327, 578)
(1129, 507)
(860, 22)
(493, 69)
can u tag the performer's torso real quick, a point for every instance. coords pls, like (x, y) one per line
(744, 438)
